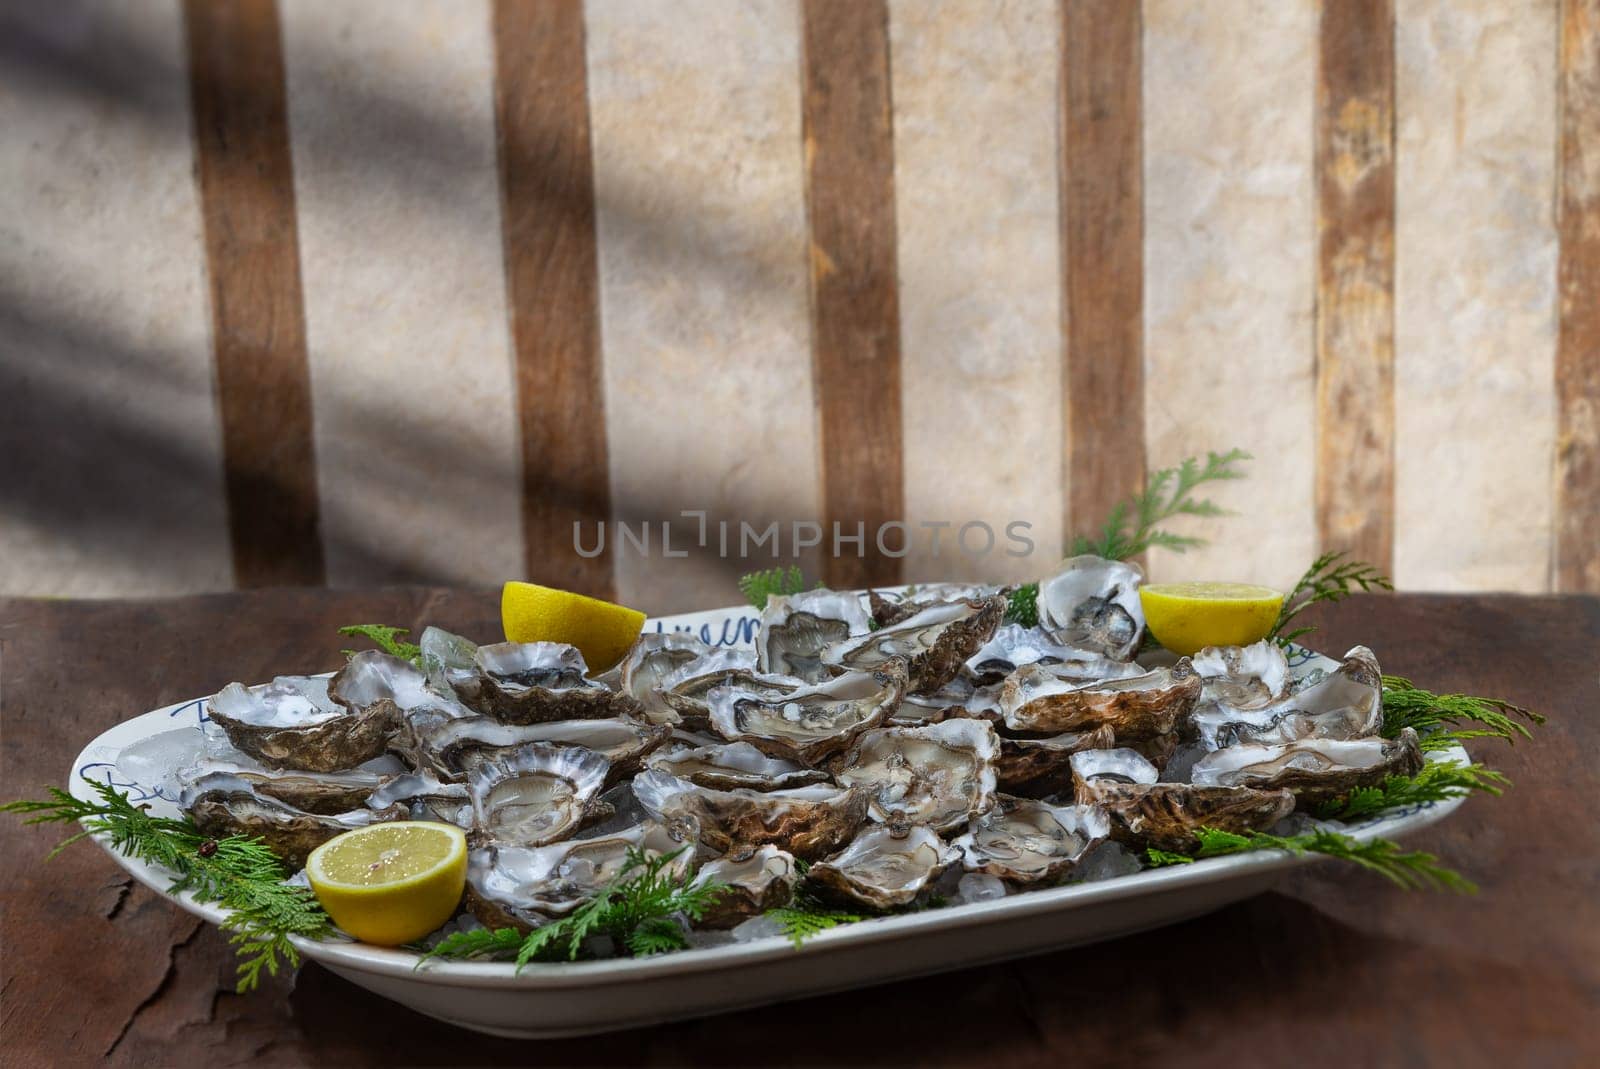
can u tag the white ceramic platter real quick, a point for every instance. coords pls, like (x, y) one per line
(597, 996)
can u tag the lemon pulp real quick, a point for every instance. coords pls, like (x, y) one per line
(390, 883)
(601, 631)
(1187, 617)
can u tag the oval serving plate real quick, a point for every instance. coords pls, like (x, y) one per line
(550, 1000)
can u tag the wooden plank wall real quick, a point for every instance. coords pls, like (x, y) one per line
(749, 267)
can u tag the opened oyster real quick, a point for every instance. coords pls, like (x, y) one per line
(525, 887)
(808, 723)
(936, 642)
(808, 822)
(797, 628)
(684, 690)
(884, 867)
(889, 608)
(1242, 677)
(1145, 812)
(294, 723)
(426, 797)
(1025, 842)
(1014, 646)
(451, 746)
(1316, 770)
(314, 792)
(521, 682)
(1346, 704)
(1034, 768)
(1093, 604)
(940, 775)
(537, 795)
(730, 766)
(763, 879)
(222, 804)
(651, 660)
(1142, 706)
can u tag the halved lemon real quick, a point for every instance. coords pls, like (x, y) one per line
(1188, 617)
(391, 883)
(601, 631)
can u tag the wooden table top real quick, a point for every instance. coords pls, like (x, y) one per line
(1333, 968)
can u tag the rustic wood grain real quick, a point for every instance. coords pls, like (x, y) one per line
(547, 199)
(1577, 486)
(247, 202)
(1102, 243)
(855, 313)
(1355, 139)
(1335, 968)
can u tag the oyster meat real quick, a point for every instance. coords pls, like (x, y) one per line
(449, 747)
(1026, 842)
(936, 642)
(1242, 677)
(941, 775)
(537, 795)
(885, 866)
(298, 722)
(732, 765)
(684, 690)
(222, 804)
(760, 880)
(1315, 769)
(652, 659)
(797, 628)
(1034, 768)
(808, 822)
(1145, 812)
(1093, 604)
(1346, 704)
(1150, 704)
(812, 722)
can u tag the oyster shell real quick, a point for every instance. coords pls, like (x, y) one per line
(1346, 704)
(222, 804)
(891, 607)
(1034, 768)
(1242, 677)
(537, 682)
(537, 795)
(651, 660)
(426, 797)
(797, 628)
(734, 765)
(1014, 646)
(812, 722)
(808, 822)
(1145, 812)
(684, 690)
(1093, 604)
(293, 722)
(450, 747)
(1142, 706)
(763, 879)
(314, 792)
(524, 887)
(1025, 842)
(941, 775)
(884, 867)
(1315, 769)
(936, 642)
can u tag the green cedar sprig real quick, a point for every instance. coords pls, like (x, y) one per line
(1410, 870)
(1437, 782)
(637, 910)
(1022, 605)
(239, 873)
(1430, 715)
(387, 639)
(757, 587)
(1134, 525)
(1330, 578)
(802, 919)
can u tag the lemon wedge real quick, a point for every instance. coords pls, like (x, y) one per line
(601, 631)
(391, 883)
(1187, 617)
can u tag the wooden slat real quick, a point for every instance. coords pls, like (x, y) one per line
(547, 194)
(1577, 505)
(1355, 280)
(849, 157)
(258, 321)
(1102, 242)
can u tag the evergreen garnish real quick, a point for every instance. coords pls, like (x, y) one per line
(1134, 525)
(1330, 578)
(1410, 870)
(1437, 782)
(1406, 705)
(757, 587)
(803, 919)
(387, 639)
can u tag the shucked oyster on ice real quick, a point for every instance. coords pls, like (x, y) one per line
(936, 642)
(1023, 841)
(450, 746)
(1242, 677)
(730, 766)
(1142, 706)
(524, 887)
(1145, 812)
(797, 628)
(1014, 646)
(426, 797)
(885, 866)
(314, 792)
(521, 682)
(293, 722)
(1034, 768)
(756, 881)
(1346, 704)
(1093, 604)
(1315, 769)
(537, 795)
(888, 608)
(808, 822)
(684, 690)
(940, 775)
(222, 804)
(808, 723)
(652, 659)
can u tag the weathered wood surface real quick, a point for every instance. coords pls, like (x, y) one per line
(1102, 256)
(855, 303)
(1355, 280)
(1333, 968)
(1577, 505)
(241, 132)
(547, 201)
